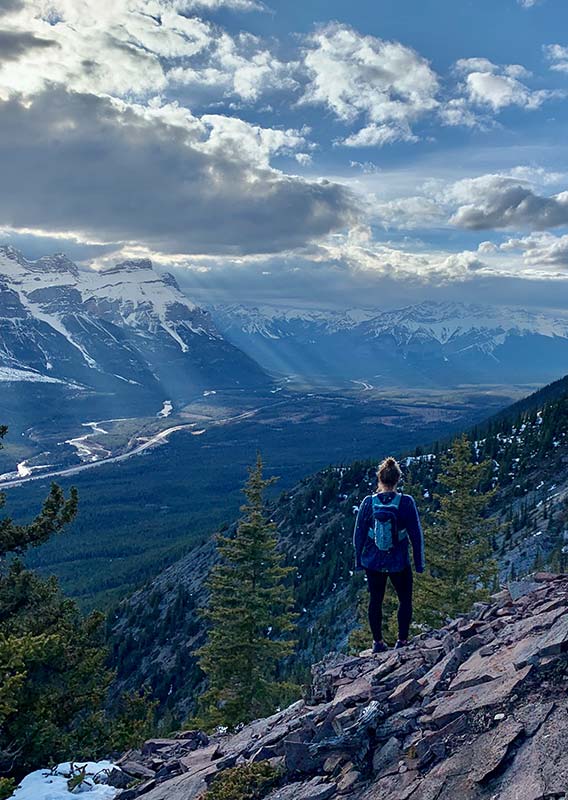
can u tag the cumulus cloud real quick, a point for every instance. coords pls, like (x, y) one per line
(379, 135)
(106, 47)
(540, 249)
(557, 55)
(241, 66)
(127, 47)
(497, 201)
(524, 196)
(499, 86)
(387, 85)
(159, 175)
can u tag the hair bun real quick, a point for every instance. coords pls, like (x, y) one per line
(389, 472)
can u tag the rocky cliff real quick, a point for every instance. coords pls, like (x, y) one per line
(477, 710)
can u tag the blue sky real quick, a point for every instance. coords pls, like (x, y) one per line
(319, 152)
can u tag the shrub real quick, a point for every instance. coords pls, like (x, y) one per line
(247, 782)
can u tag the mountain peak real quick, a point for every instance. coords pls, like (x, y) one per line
(131, 265)
(11, 253)
(58, 262)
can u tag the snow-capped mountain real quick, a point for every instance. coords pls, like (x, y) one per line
(123, 331)
(427, 344)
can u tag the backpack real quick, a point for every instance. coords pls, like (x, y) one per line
(385, 531)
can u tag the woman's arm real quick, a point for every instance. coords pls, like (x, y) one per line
(361, 531)
(416, 536)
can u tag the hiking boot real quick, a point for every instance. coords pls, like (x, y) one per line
(379, 647)
(400, 643)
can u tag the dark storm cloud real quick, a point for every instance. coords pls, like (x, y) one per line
(75, 162)
(499, 202)
(14, 44)
(10, 5)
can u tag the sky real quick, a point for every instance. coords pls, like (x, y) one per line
(371, 152)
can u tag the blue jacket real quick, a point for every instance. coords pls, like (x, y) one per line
(368, 556)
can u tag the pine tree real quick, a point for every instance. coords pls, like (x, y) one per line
(249, 612)
(53, 674)
(460, 567)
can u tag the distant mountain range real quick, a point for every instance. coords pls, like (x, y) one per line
(126, 334)
(426, 345)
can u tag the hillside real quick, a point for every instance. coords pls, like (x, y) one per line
(476, 710)
(155, 631)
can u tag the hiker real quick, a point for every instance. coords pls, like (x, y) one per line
(386, 521)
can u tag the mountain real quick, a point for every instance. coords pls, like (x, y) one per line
(430, 344)
(475, 710)
(125, 338)
(155, 631)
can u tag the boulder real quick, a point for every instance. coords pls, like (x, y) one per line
(540, 767)
(484, 695)
(388, 754)
(404, 694)
(315, 789)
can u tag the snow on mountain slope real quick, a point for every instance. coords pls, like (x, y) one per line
(425, 344)
(275, 322)
(125, 325)
(442, 321)
(447, 321)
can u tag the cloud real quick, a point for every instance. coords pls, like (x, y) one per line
(497, 201)
(387, 85)
(541, 249)
(14, 44)
(213, 5)
(379, 135)
(499, 86)
(9, 6)
(529, 3)
(140, 48)
(106, 47)
(557, 55)
(410, 213)
(110, 171)
(239, 66)
(524, 196)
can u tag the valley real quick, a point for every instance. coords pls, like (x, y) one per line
(170, 482)
(113, 380)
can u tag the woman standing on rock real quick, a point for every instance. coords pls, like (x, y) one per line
(386, 521)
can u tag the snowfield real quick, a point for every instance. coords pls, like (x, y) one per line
(45, 784)
(9, 374)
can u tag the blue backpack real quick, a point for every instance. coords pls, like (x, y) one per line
(385, 530)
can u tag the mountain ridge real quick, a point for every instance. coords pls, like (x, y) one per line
(430, 343)
(122, 336)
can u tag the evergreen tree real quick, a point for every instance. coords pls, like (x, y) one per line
(54, 678)
(460, 567)
(249, 611)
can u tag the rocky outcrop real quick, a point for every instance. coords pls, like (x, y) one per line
(476, 711)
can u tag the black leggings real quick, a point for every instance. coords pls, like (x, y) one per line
(402, 582)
